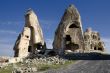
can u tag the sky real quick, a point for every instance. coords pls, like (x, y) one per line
(94, 14)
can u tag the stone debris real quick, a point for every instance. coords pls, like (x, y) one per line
(31, 40)
(33, 65)
(46, 60)
(93, 41)
(69, 34)
(24, 70)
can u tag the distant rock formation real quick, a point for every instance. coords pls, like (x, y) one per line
(93, 41)
(69, 34)
(31, 39)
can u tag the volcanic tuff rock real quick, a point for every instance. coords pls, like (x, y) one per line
(69, 34)
(93, 41)
(31, 39)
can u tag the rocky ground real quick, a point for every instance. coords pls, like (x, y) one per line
(70, 63)
(39, 64)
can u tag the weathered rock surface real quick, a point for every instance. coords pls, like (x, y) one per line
(69, 34)
(31, 39)
(93, 41)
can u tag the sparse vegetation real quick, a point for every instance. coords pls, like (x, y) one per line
(40, 67)
(7, 69)
(44, 67)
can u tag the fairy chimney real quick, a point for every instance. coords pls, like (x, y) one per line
(69, 34)
(31, 38)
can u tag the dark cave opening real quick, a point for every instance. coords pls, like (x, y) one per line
(100, 49)
(69, 45)
(68, 38)
(29, 48)
(95, 48)
(73, 26)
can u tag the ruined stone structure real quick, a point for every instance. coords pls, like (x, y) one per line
(69, 34)
(93, 41)
(31, 39)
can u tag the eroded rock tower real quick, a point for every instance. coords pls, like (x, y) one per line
(69, 34)
(93, 41)
(31, 40)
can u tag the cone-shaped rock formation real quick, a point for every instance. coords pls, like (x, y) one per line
(69, 34)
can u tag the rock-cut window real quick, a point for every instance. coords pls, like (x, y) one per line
(26, 36)
(94, 37)
(86, 37)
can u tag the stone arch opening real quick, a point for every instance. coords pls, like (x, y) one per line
(74, 25)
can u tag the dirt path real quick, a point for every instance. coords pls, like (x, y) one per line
(85, 66)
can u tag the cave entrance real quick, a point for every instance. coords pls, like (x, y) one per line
(100, 49)
(68, 38)
(74, 25)
(16, 53)
(95, 48)
(29, 48)
(69, 44)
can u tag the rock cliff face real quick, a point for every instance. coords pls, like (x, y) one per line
(69, 34)
(93, 41)
(31, 39)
